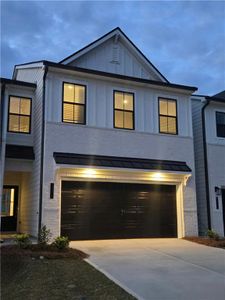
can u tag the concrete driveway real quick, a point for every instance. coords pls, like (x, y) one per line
(160, 269)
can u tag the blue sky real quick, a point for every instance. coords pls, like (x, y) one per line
(185, 40)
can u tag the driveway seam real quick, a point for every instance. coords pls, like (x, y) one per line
(193, 264)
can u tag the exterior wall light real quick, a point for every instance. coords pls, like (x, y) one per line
(157, 176)
(89, 172)
(217, 191)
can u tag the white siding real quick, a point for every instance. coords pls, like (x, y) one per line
(120, 61)
(87, 140)
(35, 75)
(216, 164)
(100, 103)
(199, 166)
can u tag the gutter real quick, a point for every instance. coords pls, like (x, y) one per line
(206, 162)
(42, 151)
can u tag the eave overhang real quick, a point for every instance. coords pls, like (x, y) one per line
(120, 162)
(19, 152)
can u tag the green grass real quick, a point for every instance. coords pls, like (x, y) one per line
(65, 278)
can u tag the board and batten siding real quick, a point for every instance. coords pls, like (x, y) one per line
(199, 166)
(35, 75)
(216, 165)
(99, 103)
(114, 58)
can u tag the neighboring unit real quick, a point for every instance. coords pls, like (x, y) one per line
(209, 144)
(98, 146)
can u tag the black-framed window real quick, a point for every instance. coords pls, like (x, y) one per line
(123, 110)
(168, 116)
(220, 124)
(19, 114)
(74, 103)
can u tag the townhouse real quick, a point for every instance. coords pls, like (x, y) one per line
(97, 146)
(209, 145)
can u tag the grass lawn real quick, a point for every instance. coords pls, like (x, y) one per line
(23, 277)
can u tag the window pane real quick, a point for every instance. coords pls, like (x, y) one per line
(118, 119)
(172, 108)
(118, 100)
(163, 124)
(68, 112)
(220, 118)
(14, 105)
(7, 209)
(172, 128)
(24, 124)
(220, 130)
(13, 123)
(128, 101)
(68, 92)
(25, 106)
(128, 120)
(79, 94)
(163, 107)
(79, 114)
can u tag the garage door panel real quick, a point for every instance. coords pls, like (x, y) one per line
(96, 210)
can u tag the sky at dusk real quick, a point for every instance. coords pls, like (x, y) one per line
(185, 40)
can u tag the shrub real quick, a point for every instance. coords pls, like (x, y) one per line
(23, 240)
(61, 242)
(44, 236)
(213, 235)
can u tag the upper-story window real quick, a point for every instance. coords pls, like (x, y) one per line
(74, 103)
(19, 114)
(220, 124)
(167, 116)
(123, 110)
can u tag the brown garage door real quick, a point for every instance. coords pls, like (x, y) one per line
(97, 210)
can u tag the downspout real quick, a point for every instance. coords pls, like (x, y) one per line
(42, 150)
(206, 163)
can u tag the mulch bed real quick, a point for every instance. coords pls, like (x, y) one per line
(48, 251)
(207, 241)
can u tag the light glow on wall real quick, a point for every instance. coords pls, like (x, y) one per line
(90, 172)
(157, 176)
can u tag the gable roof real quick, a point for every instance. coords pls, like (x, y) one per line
(114, 32)
(220, 97)
(105, 74)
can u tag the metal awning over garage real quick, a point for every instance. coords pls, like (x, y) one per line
(120, 162)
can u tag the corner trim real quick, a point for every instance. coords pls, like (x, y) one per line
(42, 152)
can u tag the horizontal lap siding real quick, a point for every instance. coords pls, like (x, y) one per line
(34, 75)
(199, 166)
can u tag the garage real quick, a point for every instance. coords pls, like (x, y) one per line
(106, 210)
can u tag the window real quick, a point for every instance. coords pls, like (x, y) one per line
(7, 209)
(220, 124)
(19, 118)
(167, 116)
(74, 103)
(123, 110)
